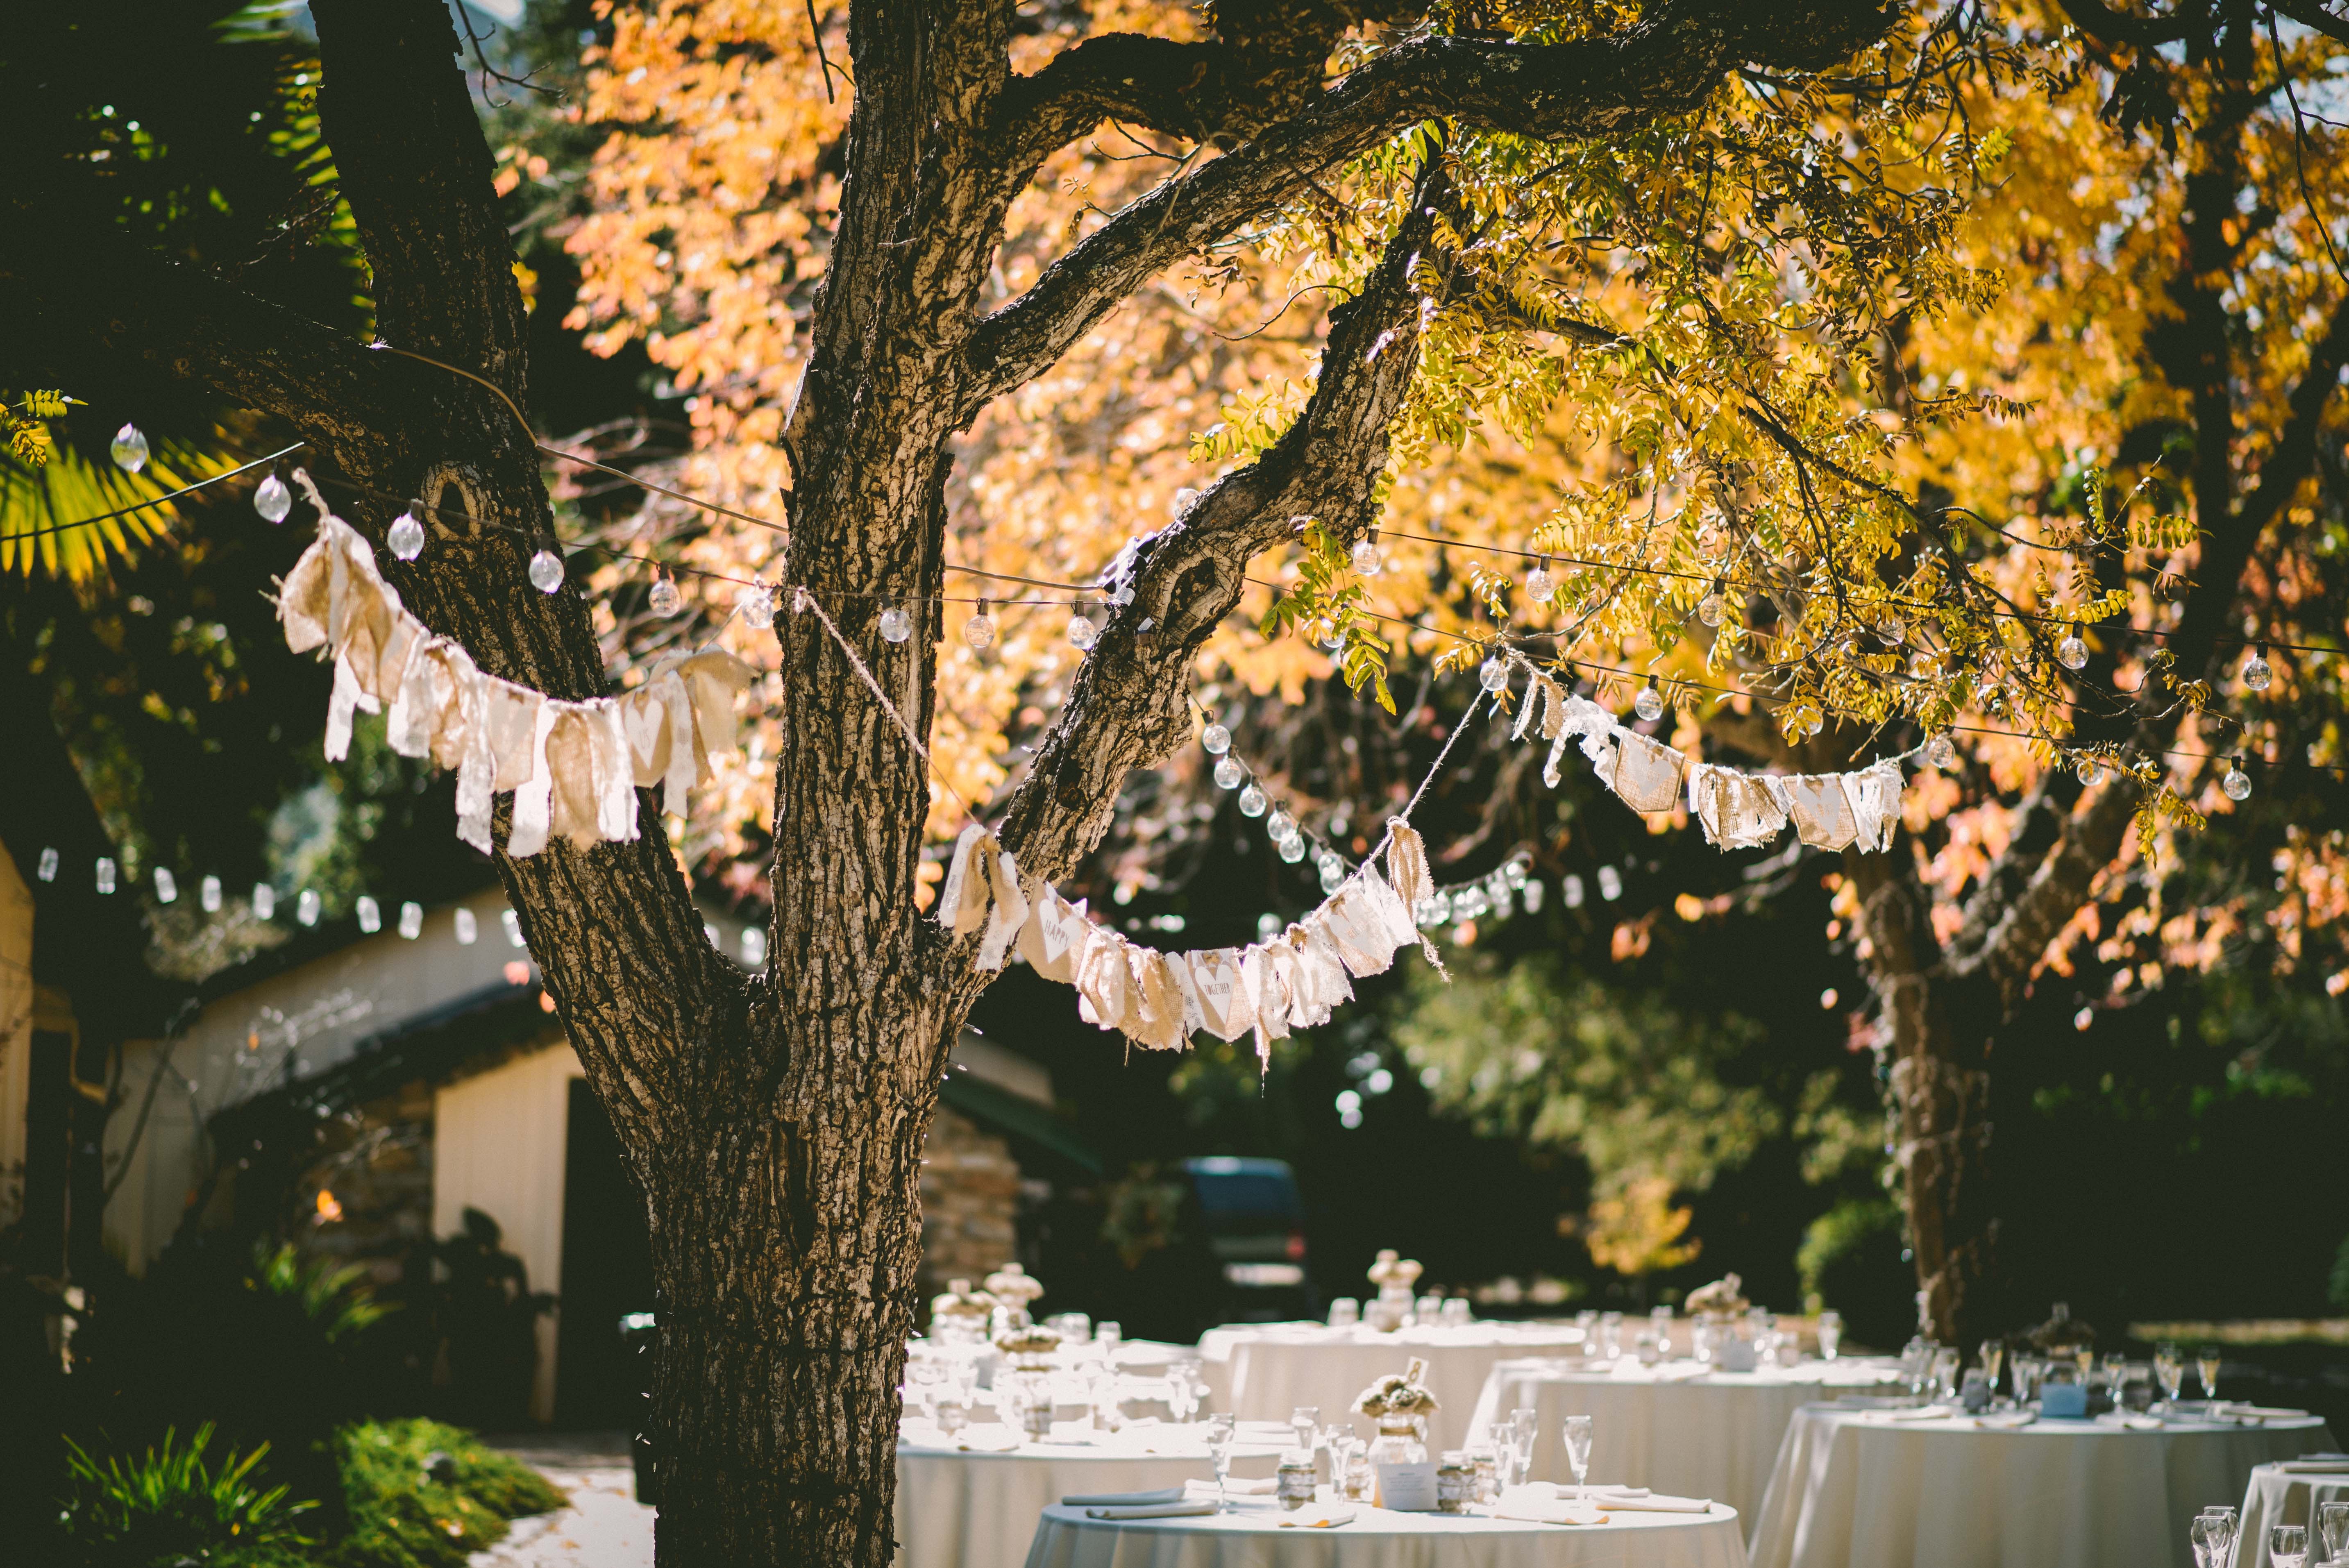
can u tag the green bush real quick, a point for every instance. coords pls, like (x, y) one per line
(167, 1508)
(424, 1495)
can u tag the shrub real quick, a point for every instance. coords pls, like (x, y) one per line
(424, 1495)
(167, 1507)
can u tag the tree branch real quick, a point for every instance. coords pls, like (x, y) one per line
(1666, 65)
(1126, 708)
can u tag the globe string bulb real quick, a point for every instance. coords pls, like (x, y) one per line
(1252, 801)
(167, 886)
(129, 449)
(2072, 653)
(545, 571)
(264, 901)
(1540, 582)
(406, 537)
(272, 499)
(208, 894)
(1492, 675)
(105, 873)
(1081, 630)
(1709, 608)
(1292, 850)
(2237, 783)
(756, 605)
(1367, 556)
(1228, 773)
(1216, 738)
(663, 599)
(1939, 752)
(2092, 772)
(979, 632)
(1332, 638)
(1650, 704)
(307, 906)
(896, 626)
(370, 914)
(2257, 673)
(1333, 874)
(1280, 824)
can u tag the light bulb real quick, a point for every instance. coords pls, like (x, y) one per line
(2257, 675)
(1492, 675)
(130, 449)
(1648, 704)
(411, 920)
(1216, 738)
(370, 914)
(663, 599)
(1333, 874)
(1252, 801)
(48, 868)
(1517, 872)
(105, 873)
(1939, 752)
(1123, 593)
(264, 901)
(545, 569)
(1081, 630)
(979, 632)
(896, 626)
(1292, 850)
(1540, 583)
(1327, 861)
(1709, 608)
(756, 605)
(2072, 653)
(272, 499)
(1504, 901)
(1280, 825)
(208, 894)
(1367, 556)
(307, 906)
(753, 947)
(1470, 904)
(2237, 783)
(1531, 894)
(167, 886)
(1572, 889)
(2092, 772)
(1184, 497)
(510, 923)
(1228, 773)
(468, 927)
(1611, 884)
(406, 537)
(1331, 637)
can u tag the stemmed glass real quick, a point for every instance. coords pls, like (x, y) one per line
(1305, 1422)
(2332, 1524)
(1830, 1334)
(1221, 1431)
(1524, 1426)
(2213, 1537)
(1183, 1390)
(2287, 1545)
(1993, 1356)
(2170, 1371)
(1577, 1454)
(2207, 1364)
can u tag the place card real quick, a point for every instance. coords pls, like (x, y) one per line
(1407, 1488)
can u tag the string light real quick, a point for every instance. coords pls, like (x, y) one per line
(545, 571)
(1081, 630)
(307, 907)
(1252, 801)
(756, 605)
(1216, 738)
(1228, 773)
(1940, 752)
(47, 868)
(2072, 653)
(272, 500)
(510, 923)
(896, 626)
(1280, 824)
(1709, 608)
(129, 449)
(208, 895)
(468, 928)
(370, 914)
(1368, 559)
(1493, 673)
(264, 901)
(411, 920)
(1540, 582)
(979, 632)
(2257, 673)
(2092, 772)
(2237, 783)
(105, 873)
(664, 598)
(167, 886)
(1650, 704)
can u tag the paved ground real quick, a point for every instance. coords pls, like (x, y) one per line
(604, 1527)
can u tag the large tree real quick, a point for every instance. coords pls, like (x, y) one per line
(776, 1122)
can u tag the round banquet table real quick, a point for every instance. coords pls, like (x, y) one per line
(965, 1502)
(1674, 1427)
(2288, 1493)
(1860, 1490)
(1263, 1371)
(1252, 1537)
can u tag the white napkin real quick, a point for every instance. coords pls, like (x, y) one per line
(1925, 1413)
(1522, 1504)
(1122, 1498)
(2260, 1412)
(988, 1438)
(1318, 1516)
(2128, 1422)
(2006, 1422)
(1263, 1486)
(1154, 1511)
(1657, 1503)
(2314, 1467)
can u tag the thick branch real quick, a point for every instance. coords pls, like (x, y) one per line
(1127, 709)
(1606, 85)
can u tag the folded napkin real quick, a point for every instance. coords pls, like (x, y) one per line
(1516, 1505)
(2134, 1423)
(1154, 1511)
(2314, 1467)
(1318, 1516)
(1264, 1486)
(2006, 1420)
(1923, 1413)
(1656, 1502)
(987, 1439)
(1122, 1498)
(2259, 1412)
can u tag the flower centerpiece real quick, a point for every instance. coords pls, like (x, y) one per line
(1023, 1389)
(961, 1316)
(1400, 1403)
(1012, 1288)
(1394, 1275)
(1722, 1300)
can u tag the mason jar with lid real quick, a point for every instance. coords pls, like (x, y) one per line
(1294, 1485)
(1455, 1481)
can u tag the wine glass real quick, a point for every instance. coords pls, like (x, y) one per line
(2207, 1364)
(2287, 1545)
(1305, 1420)
(2218, 1534)
(1830, 1335)
(2333, 1525)
(1577, 1454)
(1221, 1431)
(2170, 1371)
(1524, 1425)
(1994, 1357)
(1109, 1336)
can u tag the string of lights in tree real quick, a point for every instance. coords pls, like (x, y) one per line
(755, 605)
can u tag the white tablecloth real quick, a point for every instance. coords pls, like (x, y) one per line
(1262, 1372)
(1854, 1490)
(2278, 1496)
(1673, 1428)
(971, 1508)
(1253, 1538)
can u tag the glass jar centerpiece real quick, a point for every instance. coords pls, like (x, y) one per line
(1400, 1403)
(960, 1318)
(1719, 1326)
(1394, 1275)
(1023, 1389)
(1012, 1288)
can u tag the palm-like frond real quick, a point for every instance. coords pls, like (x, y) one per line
(72, 515)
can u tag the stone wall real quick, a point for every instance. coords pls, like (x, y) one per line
(970, 1203)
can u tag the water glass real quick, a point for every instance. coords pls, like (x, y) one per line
(1109, 1336)
(2028, 1371)
(1305, 1422)
(1071, 1326)
(2333, 1525)
(1184, 1390)
(1611, 1334)
(1994, 1357)
(1456, 1312)
(1430, 1310)
(1944, 1373)
(1661, 1318)
(1830, 1335)
(2287, 1545)
(1345, 1312)
(1221, 1431)
(1524, 1428)
(2213, 1536)
(1577, 1454)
